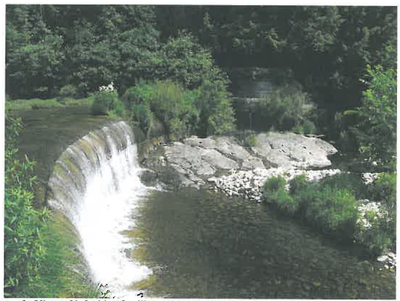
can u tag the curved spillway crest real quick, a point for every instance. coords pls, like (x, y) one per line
(95, 184)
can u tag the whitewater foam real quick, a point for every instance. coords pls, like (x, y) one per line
(104, 207)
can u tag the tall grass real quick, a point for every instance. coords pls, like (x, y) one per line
(36, 103)
(40, 256)
(62, 273)
(28, 104)
(331, 205)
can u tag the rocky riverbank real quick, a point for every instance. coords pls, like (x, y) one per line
(197, 159)
(224, 164)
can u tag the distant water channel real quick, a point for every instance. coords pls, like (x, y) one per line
(200, 244)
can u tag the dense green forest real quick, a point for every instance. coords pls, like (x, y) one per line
(328, 48)
(71, 50)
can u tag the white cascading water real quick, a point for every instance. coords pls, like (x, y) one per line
(96, 184)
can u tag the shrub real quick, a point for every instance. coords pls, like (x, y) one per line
(287, 108)
(204, 111)
(119, 109)
(215, 106)
(285, 202)
(139, 94)
(332, 206)
(349, 181)
(104, 102)
(383, 190)
(298, 183)
(143, 115)
(175, 107)
(276, 194)
(273, 185)
(305, 128)
(250, 139)
(376, 132)
(23, 244)
(68, 91)
(376, 231)
(334, 210)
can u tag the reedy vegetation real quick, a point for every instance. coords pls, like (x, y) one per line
(332, 206)
(38, 254)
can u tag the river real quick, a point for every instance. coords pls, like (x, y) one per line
(194, 244)
(201, 244)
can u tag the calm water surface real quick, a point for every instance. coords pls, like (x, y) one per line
(204, 245)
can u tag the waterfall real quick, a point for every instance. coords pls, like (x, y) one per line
(95, 184)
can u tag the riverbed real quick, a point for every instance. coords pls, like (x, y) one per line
(201, 244)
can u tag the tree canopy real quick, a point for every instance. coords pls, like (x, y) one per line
(327, 47)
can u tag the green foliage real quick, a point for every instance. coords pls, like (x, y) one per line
(380, 236)
(143, 115)
(104, 102)
(276, 194)
(68, 91)
(383, 190)
(33, 67)
(349, 181)
(339, 40)
(61, 271)
(174, 106)
(298, 183)
(376, 132)
(206, 110)
(28, 104)
(215, 106)
(184, 61)
(331, 205)
(287, 108)
(274, 185)
(119, 109)
(24, 251)
(249, 139)
(88, 101)
(286, 203)
(333, 210)
(305, 128)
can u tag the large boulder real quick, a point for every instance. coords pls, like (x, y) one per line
(200, 161)
(291, 150)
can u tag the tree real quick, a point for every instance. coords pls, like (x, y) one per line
(376, 132)
(183, 60)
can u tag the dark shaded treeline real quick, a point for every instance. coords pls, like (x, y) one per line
(328, 48)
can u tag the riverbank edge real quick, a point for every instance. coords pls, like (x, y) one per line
(236, 188)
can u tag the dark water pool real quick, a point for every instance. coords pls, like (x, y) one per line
(204, 245)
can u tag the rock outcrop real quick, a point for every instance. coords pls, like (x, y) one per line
(291, 150)
(197, 159)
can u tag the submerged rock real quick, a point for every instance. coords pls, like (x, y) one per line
(148, 178)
